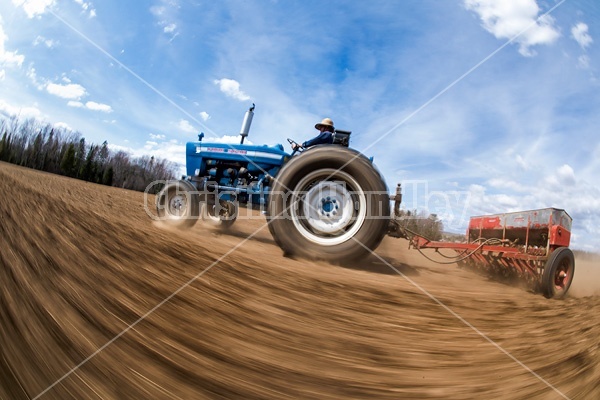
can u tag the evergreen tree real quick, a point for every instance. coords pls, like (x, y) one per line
(3, 146)
(89, 168)
(68, 161)
(107, 177)
(103, 154)
(48, 152)
(36, 156)
(80, 157)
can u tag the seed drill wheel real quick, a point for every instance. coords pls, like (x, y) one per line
(329, 203)
(558, 273)
(178, 204)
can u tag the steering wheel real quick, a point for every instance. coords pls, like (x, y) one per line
(296, 147)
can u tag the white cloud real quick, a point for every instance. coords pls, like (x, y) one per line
(566, 175)
(583, 61)
(507, 183)
(185, 126)
(32, 75)
(26, 112)
(580, 33)
(164, 16)
(516, 19)
(75, 104)
(49, 43)
(69, 91)
(172, 151)
(157, 10)
(92, 105)
(231, 88)
(87, 7)
(520, 161)
(231, 139)
(8, 57)
(157, 136)
(205, 116)
(34, 7)
(63, 125)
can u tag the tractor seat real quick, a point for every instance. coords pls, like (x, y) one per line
(341, 137)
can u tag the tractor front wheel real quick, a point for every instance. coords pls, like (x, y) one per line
(178, 204)
(329, 203)
(221, 215)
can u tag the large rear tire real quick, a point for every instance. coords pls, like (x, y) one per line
(178, 204)
(329, 203)
(558, 273)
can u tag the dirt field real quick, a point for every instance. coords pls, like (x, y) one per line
(99, 301)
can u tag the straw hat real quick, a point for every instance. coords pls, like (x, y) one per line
(325, 122)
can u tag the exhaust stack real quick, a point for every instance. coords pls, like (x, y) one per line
(247, 122)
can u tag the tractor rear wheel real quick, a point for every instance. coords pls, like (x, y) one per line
(178, 204)
(558, 273)
(329, 203)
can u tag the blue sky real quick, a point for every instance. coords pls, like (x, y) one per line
(477, 106)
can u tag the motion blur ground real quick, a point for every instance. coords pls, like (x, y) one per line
(81, 262)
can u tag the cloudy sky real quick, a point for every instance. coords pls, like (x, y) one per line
(477, 106)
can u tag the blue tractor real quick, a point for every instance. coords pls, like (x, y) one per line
(327, 202)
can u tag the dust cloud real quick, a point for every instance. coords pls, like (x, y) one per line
(586, 281)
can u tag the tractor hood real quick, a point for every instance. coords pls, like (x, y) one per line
(254, 158)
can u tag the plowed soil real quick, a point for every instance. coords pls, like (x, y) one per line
(99, 301)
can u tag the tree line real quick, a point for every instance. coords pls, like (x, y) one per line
(45, 147)
(427, 225)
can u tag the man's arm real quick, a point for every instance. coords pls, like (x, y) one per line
(322, 138)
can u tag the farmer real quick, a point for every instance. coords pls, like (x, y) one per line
(325, 137)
